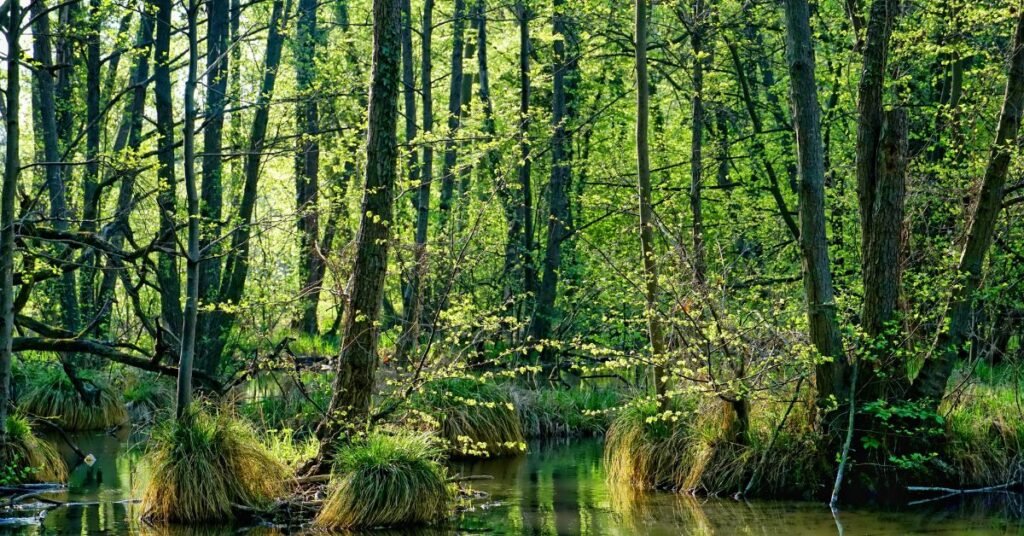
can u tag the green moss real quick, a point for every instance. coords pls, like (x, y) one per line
(387, 481)
(204, 464)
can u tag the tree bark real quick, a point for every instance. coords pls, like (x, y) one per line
(823, 327)
(356, 366)
(524, 172)
(12, 165)
(562, 113)
(643, 164)
(188, 331)
(212, 187)
(950, 343)
(697, 142)
(414, 304)
(454, 113)
(307, 167)
(167, 266)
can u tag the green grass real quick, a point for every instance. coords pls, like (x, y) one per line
(26, 458)
(387, 481)
(203, 465)
(475, 418)
(546, 413)
(984, 436)
(51, 395)
(282, 404)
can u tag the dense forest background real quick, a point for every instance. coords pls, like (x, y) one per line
(746, 206)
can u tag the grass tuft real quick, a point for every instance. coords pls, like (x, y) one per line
(547, 413)
(387, 481)
(203, 465)
(51, 395)
(26, 458)
(475, 418)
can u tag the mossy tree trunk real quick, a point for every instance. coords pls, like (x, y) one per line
(356, 366)
(12, 165)
(830, 376)
(307, 167)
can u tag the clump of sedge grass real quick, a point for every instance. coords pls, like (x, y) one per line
(146, 396)
(51, 395)
(387, 481)
(645, 445)
(203, 464)
(26, 458)
(476, 418)
(984, 437)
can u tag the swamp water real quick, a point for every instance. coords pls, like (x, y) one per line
(558, 488)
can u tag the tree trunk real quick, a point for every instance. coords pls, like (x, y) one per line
(831, 376)
(12, 165)
(307, 167)
(525, 184)
(357, 364)
(90, 180)
(951, 341)
(236, 267)
(212, 187)
(643, 164)
(414, 304)
(188, 331)
(562, 113)
(454, 114)
(697, 141)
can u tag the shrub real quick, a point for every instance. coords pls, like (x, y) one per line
(203, 464)
(387, 481)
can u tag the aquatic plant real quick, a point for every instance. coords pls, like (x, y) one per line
(203, 464)
(27, 458)
(387, 481)
(50, 394)
(475, 417)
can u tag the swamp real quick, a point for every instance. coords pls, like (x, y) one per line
(511, 267)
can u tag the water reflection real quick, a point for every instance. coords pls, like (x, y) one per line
(558, 489)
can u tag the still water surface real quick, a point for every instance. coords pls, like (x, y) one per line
(559, 488)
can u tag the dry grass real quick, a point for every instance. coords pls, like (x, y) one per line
(203, 465)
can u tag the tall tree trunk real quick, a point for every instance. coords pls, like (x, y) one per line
(697, 141)
(643, 164)
(823, 327)
(167, 266)
(56, 184)
(129, 136)
(356, 366)
(12, 165)
(236, 267)
(307, 167)
(188, 331)
(564, 72)
(212, 187)
(454, 114)
(425, 173)
(524, 14)
(951, 341)
(90, 180)
(881, 188)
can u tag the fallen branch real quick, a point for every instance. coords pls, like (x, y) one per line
(954, 491)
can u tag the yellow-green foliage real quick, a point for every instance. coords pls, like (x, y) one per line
(475, 418)
(387, 481)
(51, 395)
(27, 458)
(203, 464)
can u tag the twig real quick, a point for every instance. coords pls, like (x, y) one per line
(954, 491)
(834, 502)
